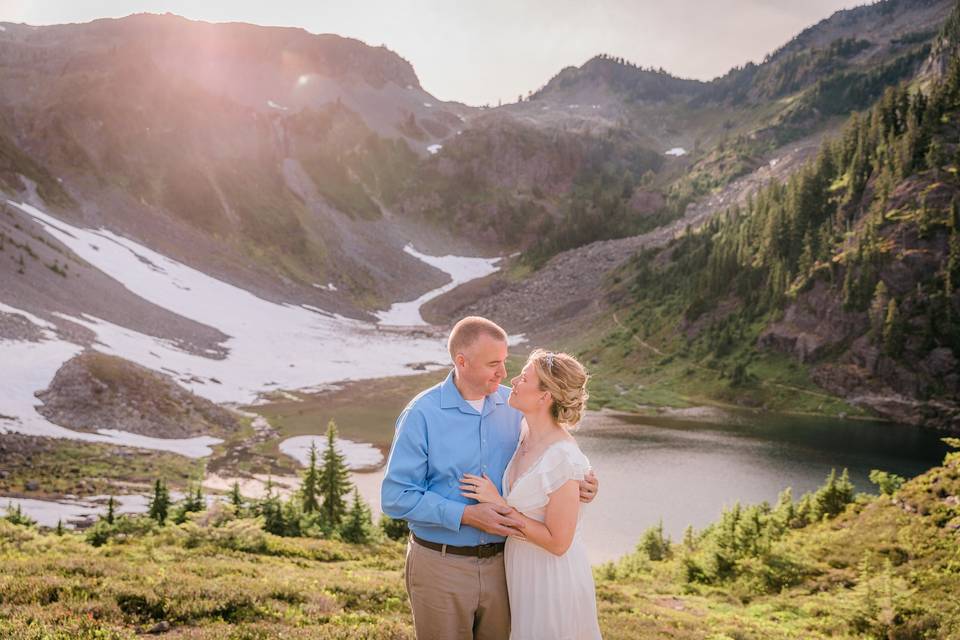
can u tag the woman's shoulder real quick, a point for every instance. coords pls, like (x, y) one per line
(566, 452)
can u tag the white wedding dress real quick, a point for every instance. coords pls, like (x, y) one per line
(551, 597)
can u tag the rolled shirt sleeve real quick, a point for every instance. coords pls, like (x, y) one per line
(404, 494)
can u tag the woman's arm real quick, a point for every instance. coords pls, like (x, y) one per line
(555, 533)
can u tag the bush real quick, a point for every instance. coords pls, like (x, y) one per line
(653, 544)
(394, 529)
(122, 529)
(888, 483)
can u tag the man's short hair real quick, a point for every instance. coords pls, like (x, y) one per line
(466, 332)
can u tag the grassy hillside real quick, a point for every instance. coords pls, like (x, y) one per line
(831, 565)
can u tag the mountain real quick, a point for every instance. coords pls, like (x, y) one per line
(298, 167)
(257, 154)
(835, 281)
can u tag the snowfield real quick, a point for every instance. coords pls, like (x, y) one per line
(270, 346)
(460, 270)
(357, 455)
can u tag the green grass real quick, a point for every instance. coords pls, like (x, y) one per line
(886, 567)
(60, 467)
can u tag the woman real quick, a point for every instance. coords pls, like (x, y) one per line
(548, 574)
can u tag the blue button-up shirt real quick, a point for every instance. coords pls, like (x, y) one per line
(440, 437)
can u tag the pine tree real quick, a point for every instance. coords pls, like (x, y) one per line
(309, 492)
(272, 511)
(111, 511)
(394, 529)
(358, 524)
(160, 504)
(832, 498)
(653, 544)
(893, 337)
(192, 503)
(60, 531)
(334, 481)
(235, 498)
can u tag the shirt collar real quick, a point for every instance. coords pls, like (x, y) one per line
(450, 397)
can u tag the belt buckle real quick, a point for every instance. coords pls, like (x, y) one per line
(486, 550)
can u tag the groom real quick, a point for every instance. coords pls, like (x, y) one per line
(454, 570)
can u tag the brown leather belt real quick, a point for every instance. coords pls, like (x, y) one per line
(479, 551)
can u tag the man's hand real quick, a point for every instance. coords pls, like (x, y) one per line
(492, 518)
(588, 487)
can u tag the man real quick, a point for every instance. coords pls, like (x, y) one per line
(454, 569)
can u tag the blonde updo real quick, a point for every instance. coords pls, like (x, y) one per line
(566, 380)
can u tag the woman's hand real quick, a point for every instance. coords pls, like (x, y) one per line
(480, 488)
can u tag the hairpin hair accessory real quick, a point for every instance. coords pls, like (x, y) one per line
(549, 358)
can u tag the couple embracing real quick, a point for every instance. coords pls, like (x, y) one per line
(491, 482)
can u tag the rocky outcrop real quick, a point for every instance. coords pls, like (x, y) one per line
(95, 391)
(813, 325)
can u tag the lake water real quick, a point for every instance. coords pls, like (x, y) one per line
(685, 471)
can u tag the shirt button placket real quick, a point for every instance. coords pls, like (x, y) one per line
(483, 462)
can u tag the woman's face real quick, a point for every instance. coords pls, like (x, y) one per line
(527, 395)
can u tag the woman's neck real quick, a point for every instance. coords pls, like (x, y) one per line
(542, 426)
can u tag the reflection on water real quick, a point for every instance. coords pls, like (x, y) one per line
(686, 471)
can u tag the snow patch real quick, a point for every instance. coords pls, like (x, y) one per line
(357, 455)
(265, 338)
(40, 322)
(274, 105)
(427, 105)
(29, 367)
(434, 148)
(460, 270)
(676, 151)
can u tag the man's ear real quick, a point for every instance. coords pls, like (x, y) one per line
(459, 360)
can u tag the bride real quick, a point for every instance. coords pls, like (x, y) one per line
(549, 580)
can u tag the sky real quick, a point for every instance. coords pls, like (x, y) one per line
(483, 51)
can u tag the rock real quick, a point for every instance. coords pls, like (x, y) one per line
(31, 485)
(161, 627)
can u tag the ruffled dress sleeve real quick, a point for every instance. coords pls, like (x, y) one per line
(560, 463)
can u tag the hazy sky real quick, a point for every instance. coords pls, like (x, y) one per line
(479, 51)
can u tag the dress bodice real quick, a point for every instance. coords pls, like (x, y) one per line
(530, 492)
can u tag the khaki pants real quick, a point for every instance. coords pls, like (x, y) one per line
(457, 597)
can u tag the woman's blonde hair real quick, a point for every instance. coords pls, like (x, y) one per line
(566, 380)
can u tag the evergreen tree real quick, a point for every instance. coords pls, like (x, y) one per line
(831, 499)
(358, 524)
(15, 515)
(160, 503)
(272, 511)
(59, 530)
(653, 544)
(235, 498)
(111, 510)
(893, 338)
(192, 503)
(394, 529)
(334, 481)
(310, 490)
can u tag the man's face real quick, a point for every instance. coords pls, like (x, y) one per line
(483, 364)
